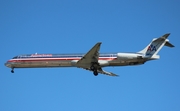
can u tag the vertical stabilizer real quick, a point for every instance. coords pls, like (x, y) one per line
(155, 46)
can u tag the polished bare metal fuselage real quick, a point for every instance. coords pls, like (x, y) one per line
(40, 61)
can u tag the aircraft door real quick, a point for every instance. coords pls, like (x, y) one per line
(111, 56)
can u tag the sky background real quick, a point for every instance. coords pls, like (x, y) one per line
(74, 26)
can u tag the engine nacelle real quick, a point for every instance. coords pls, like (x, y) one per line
(125, 56)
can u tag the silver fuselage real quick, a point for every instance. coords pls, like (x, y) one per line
(69, 60)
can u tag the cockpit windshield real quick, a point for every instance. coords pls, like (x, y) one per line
(15, 57)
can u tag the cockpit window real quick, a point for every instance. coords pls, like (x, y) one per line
(15, 57)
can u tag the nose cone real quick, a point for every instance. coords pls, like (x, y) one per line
(8, 64)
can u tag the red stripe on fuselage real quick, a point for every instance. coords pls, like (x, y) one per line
(51, 59)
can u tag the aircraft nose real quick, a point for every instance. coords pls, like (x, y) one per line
(8, 64)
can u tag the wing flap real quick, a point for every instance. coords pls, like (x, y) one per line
(107, 73)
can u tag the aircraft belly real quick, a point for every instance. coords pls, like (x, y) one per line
(125, 62)
(41, 64)
(68, 63)
(117, 63)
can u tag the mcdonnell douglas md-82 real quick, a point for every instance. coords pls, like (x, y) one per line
(92, 60)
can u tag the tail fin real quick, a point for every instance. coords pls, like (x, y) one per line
(155, 46)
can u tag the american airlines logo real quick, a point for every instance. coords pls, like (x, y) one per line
(41, 55)
(151, 48)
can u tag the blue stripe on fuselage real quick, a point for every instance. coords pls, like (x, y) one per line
(62, 55)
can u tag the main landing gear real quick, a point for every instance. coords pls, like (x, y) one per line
(12, 71)
(94, 69)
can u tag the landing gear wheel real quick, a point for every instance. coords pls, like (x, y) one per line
(95, 73)
(12, 71)
(94, 68)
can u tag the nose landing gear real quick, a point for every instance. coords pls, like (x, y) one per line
(12, 71)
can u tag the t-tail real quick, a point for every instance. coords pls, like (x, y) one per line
(155, 46)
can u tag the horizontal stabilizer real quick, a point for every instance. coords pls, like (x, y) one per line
(169, 44)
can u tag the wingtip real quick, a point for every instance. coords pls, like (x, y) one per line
(115, 75)
(99, 43)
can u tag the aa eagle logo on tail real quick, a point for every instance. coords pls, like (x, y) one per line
(151, 48)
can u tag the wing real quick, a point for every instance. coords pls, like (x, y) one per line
(90, 57)
(104, 72)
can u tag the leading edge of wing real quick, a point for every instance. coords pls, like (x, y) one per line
(91, 56)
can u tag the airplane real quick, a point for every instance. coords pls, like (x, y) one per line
(92, 60)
